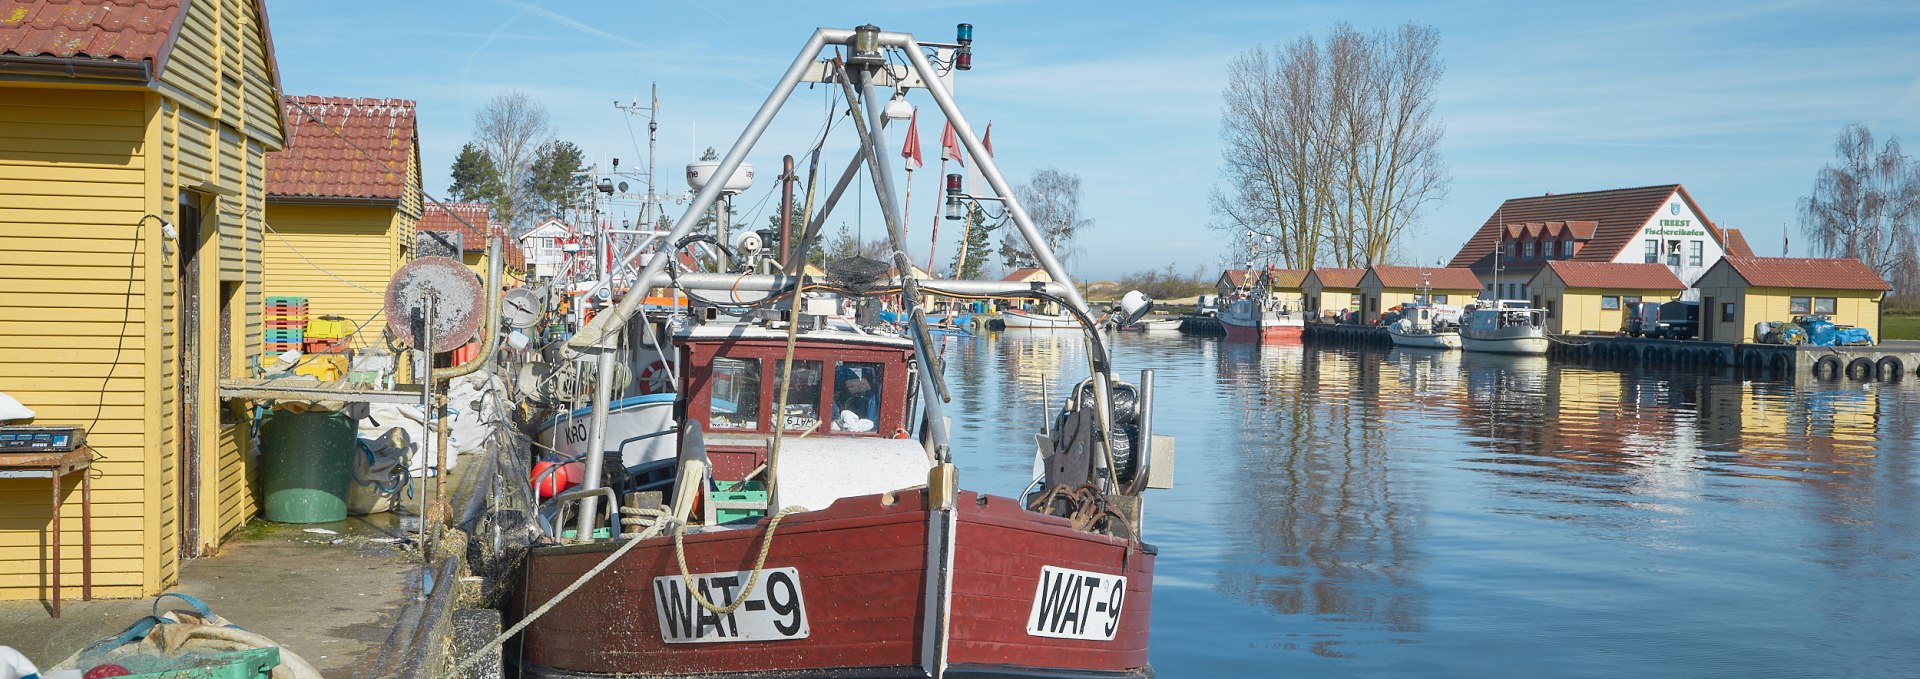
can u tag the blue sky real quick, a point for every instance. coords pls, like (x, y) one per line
(1737, 101)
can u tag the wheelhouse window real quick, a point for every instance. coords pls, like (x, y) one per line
(1825, 306)
(803, 394)
(856, 396)
(735, 400)
(1610, 302)
(1799, 306)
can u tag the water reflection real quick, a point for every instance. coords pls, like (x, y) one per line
(1405, 512)
(1327, 525)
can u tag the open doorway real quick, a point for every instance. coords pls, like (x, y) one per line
(187, 373)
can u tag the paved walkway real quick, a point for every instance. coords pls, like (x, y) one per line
(330, 602)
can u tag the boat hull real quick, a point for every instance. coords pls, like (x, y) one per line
(861, 566)
(1020, 320)
(1264, 333)
(1433, 340)
(1534, 345)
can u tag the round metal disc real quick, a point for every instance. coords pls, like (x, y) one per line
(450, 287)
(520, 307)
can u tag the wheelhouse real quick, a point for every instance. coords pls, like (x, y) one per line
(843, 385)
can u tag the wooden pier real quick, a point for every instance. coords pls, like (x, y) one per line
(1886, 362)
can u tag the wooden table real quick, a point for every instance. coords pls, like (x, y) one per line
(56, 465)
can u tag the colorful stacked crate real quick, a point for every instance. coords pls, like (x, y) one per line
(327, 335)
(286, 319)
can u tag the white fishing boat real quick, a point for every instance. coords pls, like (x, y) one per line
(1017, 319)
(1159, 325)
(1506, 327)
(1426, 327)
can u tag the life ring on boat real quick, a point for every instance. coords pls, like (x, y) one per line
(655, 379)
(1827, 367)
(1860, 369)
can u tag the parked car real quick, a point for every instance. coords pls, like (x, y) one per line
(1669, 320)
(1207, 306)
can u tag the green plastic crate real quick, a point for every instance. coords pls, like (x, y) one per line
(255, 663)
(733, 492)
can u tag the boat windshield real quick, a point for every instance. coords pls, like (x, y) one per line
(736, 394)
(856, 396)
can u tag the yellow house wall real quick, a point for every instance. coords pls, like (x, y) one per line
(1751, 305)
(1387, 298)
(339, 258)
(1329, 299)
(91, 328)
(1577, 310)
(75, 314)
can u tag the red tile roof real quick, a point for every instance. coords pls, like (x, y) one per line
(1617, 216)
(1286, 278)
(1737, 244)
(1801, 272)
(137, 30)
(1236, 278)
(1434, 277)
(321, 159)
(1613, 275)
(1334, 277)
(1023, 274)
(440, 217)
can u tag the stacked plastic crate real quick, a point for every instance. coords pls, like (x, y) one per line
(286, 319)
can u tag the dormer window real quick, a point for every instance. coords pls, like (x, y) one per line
(1527, 250)
(1566, 249)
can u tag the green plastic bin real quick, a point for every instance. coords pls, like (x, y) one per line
(737, 492)
(307, 461)
(255, 663)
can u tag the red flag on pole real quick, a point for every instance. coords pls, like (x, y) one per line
(987, 139)
(911, 151)
(950, 146)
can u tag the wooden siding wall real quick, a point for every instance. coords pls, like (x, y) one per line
(339, 258)
(90, 322)
(1577, 310)
(75, 317)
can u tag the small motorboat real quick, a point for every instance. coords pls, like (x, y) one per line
(1426, 327)
(1506, 327)
(1019, 319)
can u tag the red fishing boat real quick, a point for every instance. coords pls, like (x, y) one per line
(1252, 319)
(815, 525)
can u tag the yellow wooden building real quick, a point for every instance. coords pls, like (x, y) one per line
(473, 222)
(1737, 292)
(1594, 296)
(1384, 287)
(1331, 291)
(341, 215)
(132, 146)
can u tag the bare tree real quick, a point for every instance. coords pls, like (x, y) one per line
(1331, 151)
(1867, 207)
(1052, 199)
(511, 128)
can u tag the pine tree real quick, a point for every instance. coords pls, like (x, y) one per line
(551, 181)
(978, 245)
(475, 179)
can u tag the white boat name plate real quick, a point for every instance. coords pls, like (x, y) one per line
(1072, 604)
(773, 612)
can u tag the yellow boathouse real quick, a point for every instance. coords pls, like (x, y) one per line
(132, 146)
(339, 222)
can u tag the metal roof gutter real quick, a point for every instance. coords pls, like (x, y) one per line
(336, 201)
(76, 68)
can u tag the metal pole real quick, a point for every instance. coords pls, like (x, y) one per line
(984, 161)
(608, 324)
(786, 209)
(873, 138)
(604, 357)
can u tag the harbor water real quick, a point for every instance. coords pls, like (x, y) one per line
(1375, 513)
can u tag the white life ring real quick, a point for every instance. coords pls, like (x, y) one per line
(655, 379)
